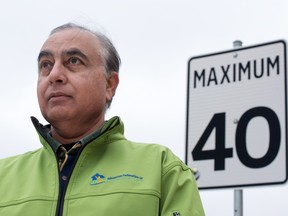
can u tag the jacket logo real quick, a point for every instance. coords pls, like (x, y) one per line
(100, 179)
(97, 179)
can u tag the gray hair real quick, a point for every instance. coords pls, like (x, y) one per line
(108, 52)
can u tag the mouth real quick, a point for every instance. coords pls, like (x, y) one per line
(57, 95)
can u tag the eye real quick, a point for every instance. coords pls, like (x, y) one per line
(45, 66)
(74, 61)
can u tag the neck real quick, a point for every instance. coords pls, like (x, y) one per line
(68, 132)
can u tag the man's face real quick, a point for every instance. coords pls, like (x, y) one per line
(72, 84)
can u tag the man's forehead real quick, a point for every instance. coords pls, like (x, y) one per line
(71, 39)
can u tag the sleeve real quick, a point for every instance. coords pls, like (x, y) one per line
(179, 191)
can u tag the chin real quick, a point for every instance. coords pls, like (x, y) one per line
(59, 116)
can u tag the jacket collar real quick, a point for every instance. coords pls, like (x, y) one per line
(44, 132)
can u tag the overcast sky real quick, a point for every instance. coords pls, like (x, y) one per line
(155, 40)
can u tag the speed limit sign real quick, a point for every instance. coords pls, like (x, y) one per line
(236, 133)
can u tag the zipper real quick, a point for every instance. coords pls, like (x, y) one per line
(61, 196)
(43, 130)
(59, 190)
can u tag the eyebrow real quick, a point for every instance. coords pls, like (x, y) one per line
(75, 51)
(44, 53)
(70, 52)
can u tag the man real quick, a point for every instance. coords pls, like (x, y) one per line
(86, 166)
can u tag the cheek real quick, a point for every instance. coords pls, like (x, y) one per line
(97, 83)
(96, 91)
(40, 92)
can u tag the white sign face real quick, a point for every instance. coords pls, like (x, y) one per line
(237, 116)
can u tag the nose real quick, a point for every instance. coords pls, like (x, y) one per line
(58, 74)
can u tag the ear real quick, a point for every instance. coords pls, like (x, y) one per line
(112, 83)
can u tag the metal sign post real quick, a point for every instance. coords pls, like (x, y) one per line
(238, 202)
(238, 193)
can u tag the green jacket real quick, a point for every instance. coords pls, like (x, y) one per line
(111, 176)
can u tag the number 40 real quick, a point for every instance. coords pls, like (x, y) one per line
(220, 153)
